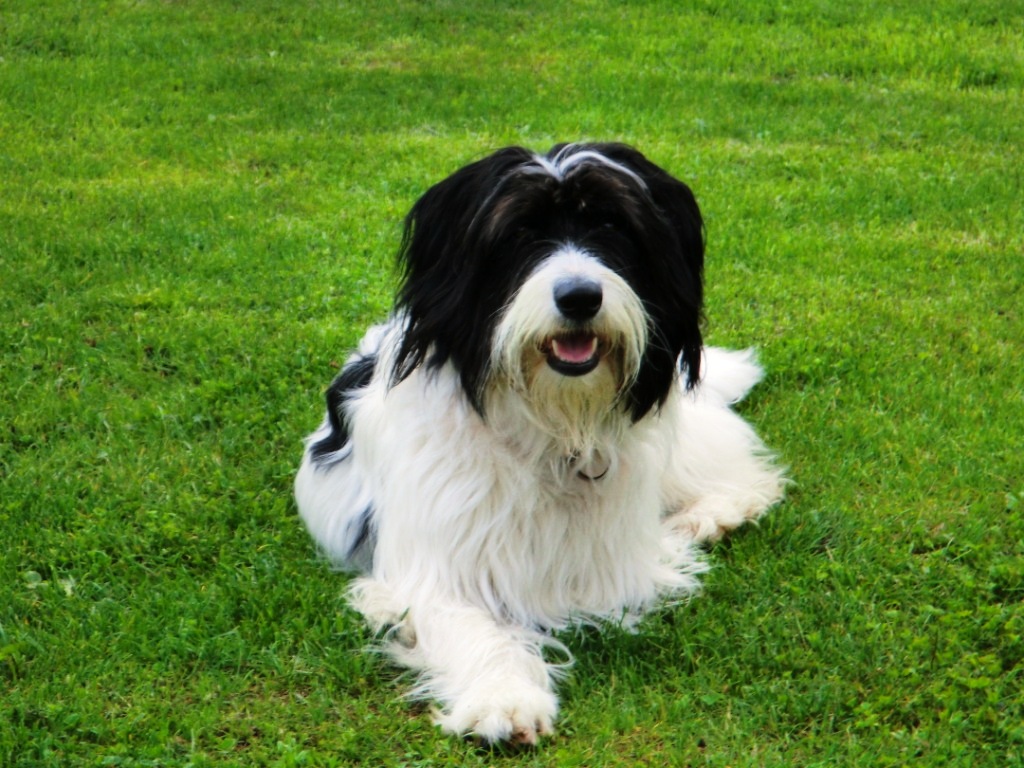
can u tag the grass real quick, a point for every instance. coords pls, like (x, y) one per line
(199, 203)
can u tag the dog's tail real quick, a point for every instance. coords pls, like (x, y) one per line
(728, 375)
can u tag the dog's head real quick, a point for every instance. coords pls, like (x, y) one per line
(578, 268)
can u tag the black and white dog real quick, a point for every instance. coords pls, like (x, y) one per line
(537, 435)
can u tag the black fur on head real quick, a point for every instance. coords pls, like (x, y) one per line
(473, 238)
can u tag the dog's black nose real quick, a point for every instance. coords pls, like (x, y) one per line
(578, 298)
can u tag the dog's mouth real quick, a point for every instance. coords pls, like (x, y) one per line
(574, 353)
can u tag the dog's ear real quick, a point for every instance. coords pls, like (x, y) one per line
(675, 284)
(441, 273)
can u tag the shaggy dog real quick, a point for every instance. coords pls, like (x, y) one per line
(537, 435)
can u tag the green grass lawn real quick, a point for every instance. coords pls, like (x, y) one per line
(199, 206)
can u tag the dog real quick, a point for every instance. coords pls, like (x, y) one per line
(537, 435)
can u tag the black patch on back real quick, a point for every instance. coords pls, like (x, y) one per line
(354, 376)
(364, 535)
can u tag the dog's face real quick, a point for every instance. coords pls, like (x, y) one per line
(579, 269)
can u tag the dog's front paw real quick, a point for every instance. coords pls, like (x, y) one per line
(713, 517)
(512, 712)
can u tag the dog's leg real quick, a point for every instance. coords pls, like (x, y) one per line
(490, 678)
(720, 474)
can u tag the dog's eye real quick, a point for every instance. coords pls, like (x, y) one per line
(615, 225)
(608, 218)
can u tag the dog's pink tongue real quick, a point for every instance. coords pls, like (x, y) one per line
(574, 349)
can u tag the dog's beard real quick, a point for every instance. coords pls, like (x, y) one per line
(576, 413)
